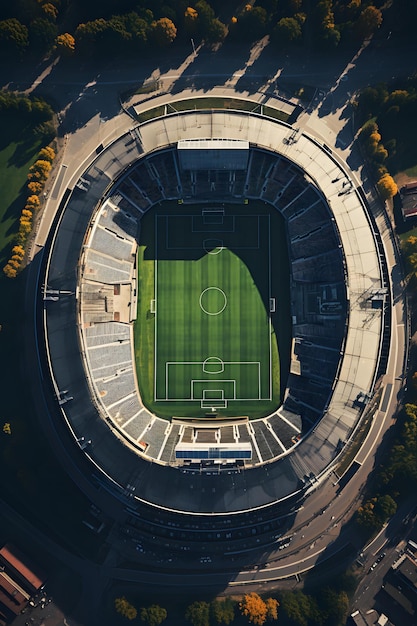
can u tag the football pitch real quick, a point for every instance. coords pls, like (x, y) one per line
(205, 335)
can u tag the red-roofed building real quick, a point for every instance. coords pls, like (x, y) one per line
(21, 569)
(408, 194)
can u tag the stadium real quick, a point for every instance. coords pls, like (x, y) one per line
(216, 317)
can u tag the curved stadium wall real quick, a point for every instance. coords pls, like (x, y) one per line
(307, 184)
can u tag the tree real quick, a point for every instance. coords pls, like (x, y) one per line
(125, 608)
(9, 271)
(387, 187)
(254, 608)
(139, 29)
(216, 31)
(153, 615)
(334, 606)
(205, 14)
(385, 508)
(42, 33)
(368, 22)
(35, 187)
(252, 22)
(164, 31)
(371, 99)
(366, 515)
(14, 36)
(299, 607)
(18, 251)
(271, 608)
(223, 611)
(47, 153)
(90, 34)
(190, 21)
(50, 10)
(41, 111)
(321, 20)
(286, 31)
(33, 202)
(65, 44)
(39, 171)
(198, 614)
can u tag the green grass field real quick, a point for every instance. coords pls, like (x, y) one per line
(206, 331)
(18, 150)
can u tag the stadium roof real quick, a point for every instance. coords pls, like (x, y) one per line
(212, 144)
(213, 154)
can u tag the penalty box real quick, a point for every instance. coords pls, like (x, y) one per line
(190, 232)
(213, 382)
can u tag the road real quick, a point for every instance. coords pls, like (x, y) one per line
(92, 115)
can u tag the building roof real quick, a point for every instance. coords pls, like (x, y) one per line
(358, 619)
(408, 569)
(396, 595)
(19, 564)
(12, 597)
(408, 195)
(213, 144)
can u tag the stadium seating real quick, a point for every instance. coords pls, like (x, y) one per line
(316, 280)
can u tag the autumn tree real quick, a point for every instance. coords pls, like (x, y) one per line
(164, 31)
(47, 154)
(190, 21)
(50, 10)
(153, 615)
(387, 187)
(254, 608)
(33, 203)
(19, 251)
(271, 608)
(198, 613)
(9, 271)
(126, 609)
(65, 44)
(39, 171)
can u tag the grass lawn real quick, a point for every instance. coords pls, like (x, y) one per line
(18, 150)
(204, 336)
(32, 471)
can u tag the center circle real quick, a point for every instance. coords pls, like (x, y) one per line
(213, 301)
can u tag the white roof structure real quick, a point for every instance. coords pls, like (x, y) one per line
(213, 144)
(355, 377)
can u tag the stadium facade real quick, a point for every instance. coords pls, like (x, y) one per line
(339, 307)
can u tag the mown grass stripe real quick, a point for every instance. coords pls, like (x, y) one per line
(240, 333)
